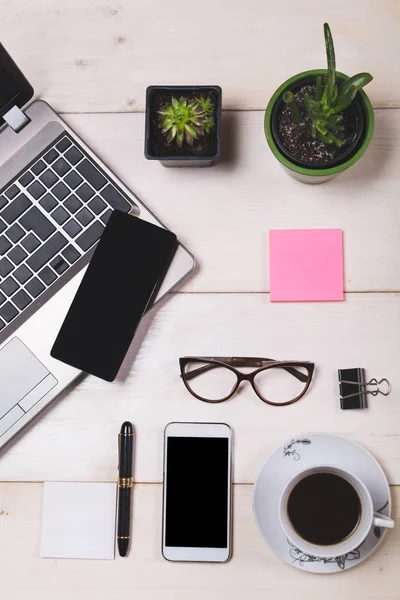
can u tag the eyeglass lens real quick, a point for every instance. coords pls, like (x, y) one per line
(209, 381)
(278, 385)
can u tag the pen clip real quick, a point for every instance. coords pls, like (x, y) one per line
(119, 452)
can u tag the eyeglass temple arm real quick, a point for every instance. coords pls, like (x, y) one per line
(242, 362)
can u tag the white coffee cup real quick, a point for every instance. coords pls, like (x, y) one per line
(368, 518)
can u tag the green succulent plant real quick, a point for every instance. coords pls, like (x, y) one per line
(185, 120)
(326, 107)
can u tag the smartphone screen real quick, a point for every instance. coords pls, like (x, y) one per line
(124, 275)
(197, 495)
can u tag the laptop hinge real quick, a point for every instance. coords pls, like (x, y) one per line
(16, 119)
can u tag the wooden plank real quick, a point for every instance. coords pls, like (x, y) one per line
(76, 438)
(100, 56)
(253, 571)
(223, 214)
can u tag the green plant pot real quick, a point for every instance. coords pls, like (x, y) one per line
(313, 175)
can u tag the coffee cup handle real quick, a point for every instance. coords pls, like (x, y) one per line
(382, 521)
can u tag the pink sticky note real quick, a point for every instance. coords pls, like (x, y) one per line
(306, 265)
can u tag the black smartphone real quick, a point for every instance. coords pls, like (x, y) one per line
(122, 279)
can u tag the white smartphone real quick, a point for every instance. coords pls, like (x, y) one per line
(197, 492)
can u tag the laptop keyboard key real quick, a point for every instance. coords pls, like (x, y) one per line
(91, 174)
(8, 312)
(35, 287)
(84, 216)
(73, 179)
(46, 252)
(48, 202)
(9, 286)
(72, 228)
(38, 167)
(97, 205)
(60, 191)
(5, 245)
(47, 276)
(16, 208)
(17, 255)
(21, 299)
(26, 179)
(85, 192)
(73, 155)
(2, 299)
(63, 145)
(51, 156)
(15, 233)
(72, 203)
(12, 192)
(3, 202)
(2, 324)
(22, 274)
(113, 197)
(59, 265)
(71, 254)
(36, 190)
(60, 215)
(30, 243)
(106, 216)
(90, 236)
(34, 220)
(48, 178)
(61, 167)
(5, 267)
(3, 226)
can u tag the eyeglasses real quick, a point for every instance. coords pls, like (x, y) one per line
(216, 379)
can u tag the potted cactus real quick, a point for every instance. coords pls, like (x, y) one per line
(319, 123)
(183, 125)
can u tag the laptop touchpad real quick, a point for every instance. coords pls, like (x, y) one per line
(24, 380)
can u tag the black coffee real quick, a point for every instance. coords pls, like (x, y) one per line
(324, 508)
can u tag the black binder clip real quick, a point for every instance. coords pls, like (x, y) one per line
(353, 388)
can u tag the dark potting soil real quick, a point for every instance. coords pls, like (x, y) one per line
(205, 145)
(297, 140)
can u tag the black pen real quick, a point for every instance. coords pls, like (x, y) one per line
(125, 483)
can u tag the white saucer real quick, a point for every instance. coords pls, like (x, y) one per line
(302, 452)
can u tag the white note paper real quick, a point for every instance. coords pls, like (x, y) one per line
(78, 520)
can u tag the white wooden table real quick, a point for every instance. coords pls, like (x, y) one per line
(92, 60)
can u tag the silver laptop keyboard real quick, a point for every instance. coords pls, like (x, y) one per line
(50, 216)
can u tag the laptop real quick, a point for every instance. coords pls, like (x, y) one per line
(56, 197)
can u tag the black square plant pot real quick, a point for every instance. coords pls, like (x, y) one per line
(206, 148)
